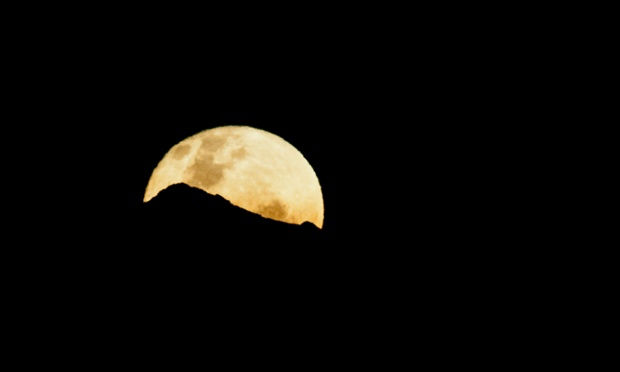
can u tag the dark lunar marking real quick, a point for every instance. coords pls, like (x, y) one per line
(212, 144)
(274, 210)
(239, 153)
(180, 151)
(204, 171)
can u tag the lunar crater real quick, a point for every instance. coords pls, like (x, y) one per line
(275, 210)
(212, 143)
(180, 151)
(205, 171)
(239, 153)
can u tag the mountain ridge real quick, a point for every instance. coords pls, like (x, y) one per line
(183, 221)
(184, 195)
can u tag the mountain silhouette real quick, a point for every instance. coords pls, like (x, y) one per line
(181, 213)
(187, 259)
(187, 230)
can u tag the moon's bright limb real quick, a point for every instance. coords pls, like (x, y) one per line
(252, 168)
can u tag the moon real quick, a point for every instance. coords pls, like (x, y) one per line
(251, 168)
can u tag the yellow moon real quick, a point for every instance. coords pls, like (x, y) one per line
(251, 168)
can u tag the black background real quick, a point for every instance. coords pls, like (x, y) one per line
(392, 140)
(418, 125)
(398, 114)
(415, 121)
(412, 127)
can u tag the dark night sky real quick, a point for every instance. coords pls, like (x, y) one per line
(381, 138)
(421, 128)
(400, 127)
(378, 162)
